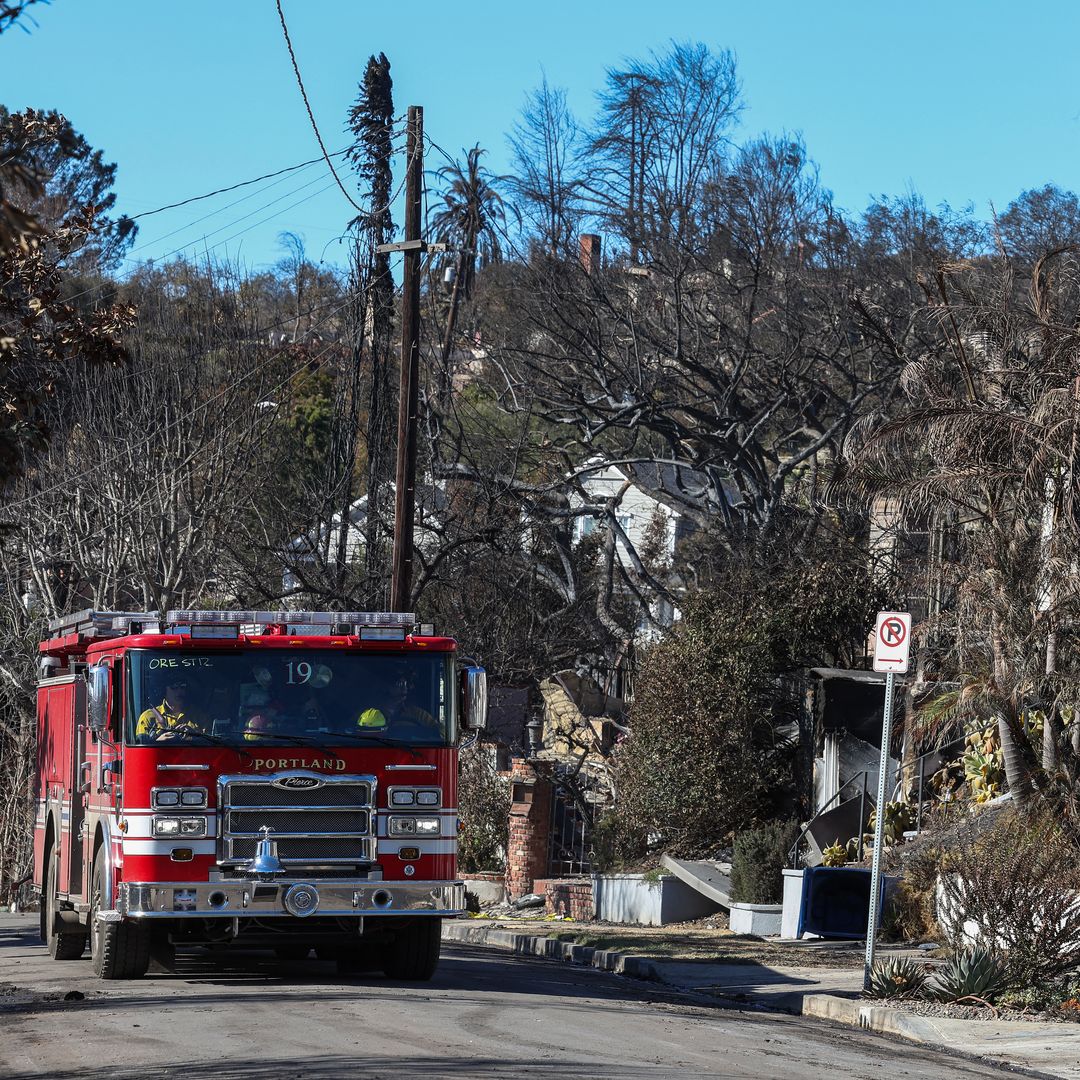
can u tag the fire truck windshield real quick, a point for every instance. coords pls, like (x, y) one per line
(316, 696)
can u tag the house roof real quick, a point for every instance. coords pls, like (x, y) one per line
(666, 481)
(679, 487)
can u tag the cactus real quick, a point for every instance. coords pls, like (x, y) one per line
(971, 973)
(835, 854)
(896, 977)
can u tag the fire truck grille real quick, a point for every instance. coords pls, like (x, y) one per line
(318, 826)
(310, 851)
(333, 792)
(304, 822)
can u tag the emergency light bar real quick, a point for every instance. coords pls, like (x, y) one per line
(214, 630)
(370, 625)
(291, 618)
(382, 633)
(137, 624)
(99, 622)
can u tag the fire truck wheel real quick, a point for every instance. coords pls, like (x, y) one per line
(353, 959)
(61, 946)
(413, 955)
(119, 950)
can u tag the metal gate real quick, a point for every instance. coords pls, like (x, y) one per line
(571, 827)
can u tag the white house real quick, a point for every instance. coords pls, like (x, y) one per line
(647, 498)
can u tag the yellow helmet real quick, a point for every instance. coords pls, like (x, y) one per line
(371, 718)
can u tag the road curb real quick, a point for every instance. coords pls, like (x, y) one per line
(831, 1007)
(841, 1010)
(639, 967)
(878, 1018)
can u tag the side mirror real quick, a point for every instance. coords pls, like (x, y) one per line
(474, 696)
(98, 693)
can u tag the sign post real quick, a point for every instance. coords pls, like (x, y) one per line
(891, 654)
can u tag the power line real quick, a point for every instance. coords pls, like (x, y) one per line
(249, 214)
(213, 213)
(233, 236)
(231, 187)
(227, 225)
(236, 202)
(307, 105)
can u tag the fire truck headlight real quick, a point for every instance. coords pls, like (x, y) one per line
(402, 797)
(175, 826)
(414, 826)
(430, 797)
(193, 797)
(166, 826)
(166, 797)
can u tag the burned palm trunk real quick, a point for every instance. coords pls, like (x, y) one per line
(372, 122)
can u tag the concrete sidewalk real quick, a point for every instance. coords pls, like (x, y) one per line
(831, 993)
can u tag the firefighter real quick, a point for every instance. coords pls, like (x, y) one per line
(174, 717)
(260, 725)
(396, 709)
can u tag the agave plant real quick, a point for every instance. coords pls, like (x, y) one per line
(971, 973)
(899, 818)
(834, 855)
(896, 977)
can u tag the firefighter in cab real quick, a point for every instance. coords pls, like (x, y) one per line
(396, 709)
(175, 717)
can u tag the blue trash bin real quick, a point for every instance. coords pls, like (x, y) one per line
(836, 901)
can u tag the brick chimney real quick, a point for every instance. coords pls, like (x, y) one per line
(589, 253)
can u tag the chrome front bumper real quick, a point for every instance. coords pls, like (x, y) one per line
(240, 898)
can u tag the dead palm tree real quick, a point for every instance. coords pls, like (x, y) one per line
(472, 222)
(988, 437)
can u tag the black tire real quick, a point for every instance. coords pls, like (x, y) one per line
(61, 946)
(413, 955)
(292, 954)
(43, 904)
(353, 959)
(119, 950)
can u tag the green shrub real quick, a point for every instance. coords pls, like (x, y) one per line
(708, 752)
(614, 846)
(483, 811)
(760, 855)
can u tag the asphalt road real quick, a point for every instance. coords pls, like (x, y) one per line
(485, 1014)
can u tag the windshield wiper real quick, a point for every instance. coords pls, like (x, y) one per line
(370, 736)
(296, 740)
(195, 733)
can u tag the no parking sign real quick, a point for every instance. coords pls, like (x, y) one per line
(893, 641)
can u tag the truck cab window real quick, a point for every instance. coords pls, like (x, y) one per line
(263, 696)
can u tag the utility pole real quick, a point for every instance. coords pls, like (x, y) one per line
(404, 508)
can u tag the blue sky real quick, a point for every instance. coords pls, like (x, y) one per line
(964, 102)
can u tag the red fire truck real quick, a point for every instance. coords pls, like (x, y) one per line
(267, 779)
